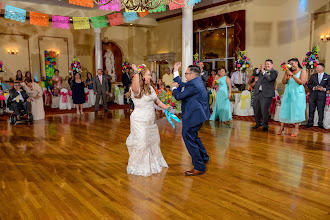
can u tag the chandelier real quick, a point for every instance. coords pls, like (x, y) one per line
(136, 5)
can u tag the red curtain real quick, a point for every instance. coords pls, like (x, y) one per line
(236, 18)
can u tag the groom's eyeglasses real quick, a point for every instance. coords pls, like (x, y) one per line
(187, 73)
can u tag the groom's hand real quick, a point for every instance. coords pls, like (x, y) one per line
(177, 66)
(175, 85)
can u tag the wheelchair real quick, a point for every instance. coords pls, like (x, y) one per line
(13, 118)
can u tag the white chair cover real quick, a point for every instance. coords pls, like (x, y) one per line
(244, 108)
(88, 102)
(55, 101)
(64, 99)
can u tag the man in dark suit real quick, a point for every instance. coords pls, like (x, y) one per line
(264, 91)
(126, 80)
(101, 88)
(18, 99)
(318, 84)
(204, 74)
(195, 110)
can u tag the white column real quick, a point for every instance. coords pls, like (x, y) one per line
(187, 38)
(98, 49)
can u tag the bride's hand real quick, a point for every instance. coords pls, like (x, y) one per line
(134, 67)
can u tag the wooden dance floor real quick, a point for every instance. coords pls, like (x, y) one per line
(71, 167)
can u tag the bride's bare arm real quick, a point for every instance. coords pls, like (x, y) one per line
(136, 81)
(161, 104)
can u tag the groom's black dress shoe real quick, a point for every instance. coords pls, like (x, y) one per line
(265, 129)
(194, 172)
(257, 126)
(321, 126)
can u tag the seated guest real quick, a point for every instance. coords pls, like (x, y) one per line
(319, 85)
(211, 79)
(238, 80)
(34, 92)
(57, 80)
(19, 76)
(18, 99)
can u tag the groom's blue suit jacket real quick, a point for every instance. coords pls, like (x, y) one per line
(195, 106)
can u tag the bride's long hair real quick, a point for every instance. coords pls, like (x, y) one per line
(144, 87)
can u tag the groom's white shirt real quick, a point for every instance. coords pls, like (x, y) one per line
(176, 74)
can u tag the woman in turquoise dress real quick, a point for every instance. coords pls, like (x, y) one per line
(222, 102)
(293, 104)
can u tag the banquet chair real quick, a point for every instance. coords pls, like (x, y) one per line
(88, 102)
(64, 99)
(55, 100)
(244, 107)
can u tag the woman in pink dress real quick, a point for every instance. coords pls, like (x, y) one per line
(57, 80)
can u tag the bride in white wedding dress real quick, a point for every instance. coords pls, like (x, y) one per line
(143, 143)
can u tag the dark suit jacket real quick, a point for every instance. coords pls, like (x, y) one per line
(13, 94)
(125, 80)
(268, 83)
(314, 81)
(98, 87)
(195, 107)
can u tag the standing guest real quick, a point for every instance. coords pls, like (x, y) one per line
(18, 99)
(100, 86)
(89, 81)
(264, 93)
(28, 75)
(252, 82)
(57, 80)
(239, 80)
(78, 93)
(168, 77)
(19, 76)
(109, 78)
(211, 78)
(293, 105)
(2, 100)
(319, 84)
(204, 74)
(222, 104)
(34, 92)
(195, 111)
(126, 80)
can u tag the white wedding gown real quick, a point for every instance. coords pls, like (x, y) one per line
(143, 143)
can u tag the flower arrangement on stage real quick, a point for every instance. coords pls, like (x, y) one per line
(126, 65)
(311, 59)
(242, 62)
(50, 63)
(168, 99)
(75, 66)
(1, 68)
(196, 59)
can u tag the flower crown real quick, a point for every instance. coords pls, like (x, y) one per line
(141, 67)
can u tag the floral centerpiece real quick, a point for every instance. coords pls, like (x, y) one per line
(196, 59)
(168, 99)
(1, 66)
(75, 66)
(311, 59)
(126, 65)
(242, 62)
(50, 63)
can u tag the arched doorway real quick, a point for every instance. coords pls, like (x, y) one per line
(118, 57)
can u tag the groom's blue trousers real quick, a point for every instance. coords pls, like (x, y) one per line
(195, 147)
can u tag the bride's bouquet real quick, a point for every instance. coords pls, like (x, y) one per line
(168, 99)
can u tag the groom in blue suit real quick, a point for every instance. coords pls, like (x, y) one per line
(195, 110)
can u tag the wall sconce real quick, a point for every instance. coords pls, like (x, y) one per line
(325, 38)
(12, 52)
(58, 53)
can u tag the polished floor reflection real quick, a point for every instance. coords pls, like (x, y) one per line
(71, 167)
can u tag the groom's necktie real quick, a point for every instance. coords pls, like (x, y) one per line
(320, 78)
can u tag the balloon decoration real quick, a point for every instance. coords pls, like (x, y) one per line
(1, 68)
(50, 63)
